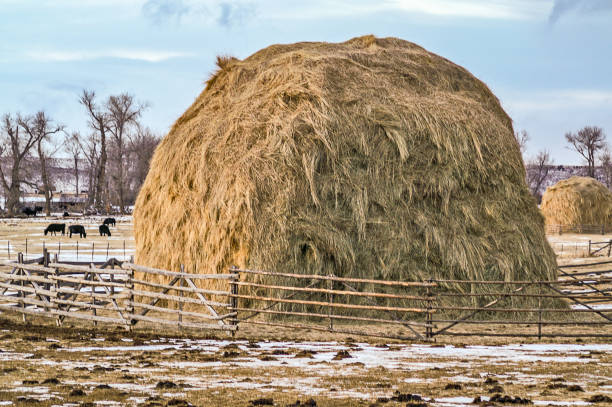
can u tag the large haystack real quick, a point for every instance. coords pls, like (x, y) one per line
(577, 201)
(371, 157)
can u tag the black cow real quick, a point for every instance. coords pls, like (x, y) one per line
(38, 209)
(109, 221)
(104, 230)
(77, 229)
(56, 227)
(66, 214)
(28, 211)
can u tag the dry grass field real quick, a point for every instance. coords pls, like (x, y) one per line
(82, 365)
(26, 236)
(570, 246)
(73, 367)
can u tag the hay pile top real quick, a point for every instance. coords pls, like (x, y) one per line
(372, 157)
(577, 201)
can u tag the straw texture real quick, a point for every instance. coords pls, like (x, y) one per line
(372, 157)
(577, 201)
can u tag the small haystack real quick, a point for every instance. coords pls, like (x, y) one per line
(577, 201)
(372, 157)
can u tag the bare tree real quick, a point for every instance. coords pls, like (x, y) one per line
(15, 147)
(99, 121)
(606, 166)
(587, 142)
(90, 149)
(142, 147)
(537, 173)
(123, 113)
(522, 137)
(40, 127)
(72, 145)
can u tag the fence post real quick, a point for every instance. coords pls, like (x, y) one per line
(180, 303)
(26, 253)
(130, 287)
(93, 297)
(8, 249)
(55, 288)
(428, 316)
(330, 297)
(233, 299)
(602, 229)
(21, 293)
(609, 247)
(112, 278)
(589, 248)
(539, 311)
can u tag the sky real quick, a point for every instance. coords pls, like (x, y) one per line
(548, 61)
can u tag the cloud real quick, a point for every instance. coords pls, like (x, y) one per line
(559, 100)
(136, 55)
(234, 13)
(482, 9)
(562, 7)
(226, 13)
(491, 9)
(162, 11)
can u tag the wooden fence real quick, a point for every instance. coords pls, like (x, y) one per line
(111, 293)
(399, 303)
(577, 304)
(586, 229)
(427, 309)
(600, 248)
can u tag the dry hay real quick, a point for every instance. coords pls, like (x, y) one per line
(372, 158)
(577, 201)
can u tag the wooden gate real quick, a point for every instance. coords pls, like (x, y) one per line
(109, 293)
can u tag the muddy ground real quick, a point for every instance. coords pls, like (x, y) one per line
(45, 366)
(79, 366)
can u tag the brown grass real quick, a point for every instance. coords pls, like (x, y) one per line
(220, 385)
(577, 201)
(372, 157)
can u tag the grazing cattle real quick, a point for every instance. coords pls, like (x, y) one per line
(109, 221)
(56, 227)
(77, 229)
(104, 230)
(38, 209)
(28, 211)
(66, 214)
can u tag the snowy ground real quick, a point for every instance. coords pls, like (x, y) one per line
(26, 235)
(574, 245)
(224, 372)
(72, 367)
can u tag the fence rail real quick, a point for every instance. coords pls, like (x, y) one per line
(109, 292)
(432, 308)
(600, 229)
(577, 304)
